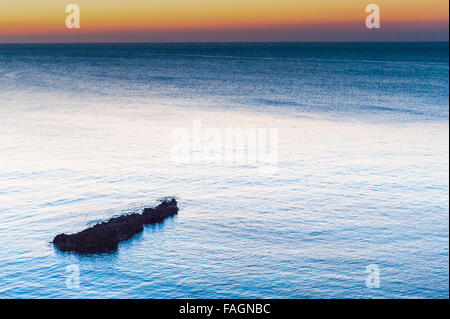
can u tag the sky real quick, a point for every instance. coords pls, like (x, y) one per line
(222, 20)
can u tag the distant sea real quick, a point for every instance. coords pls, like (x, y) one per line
(362, 179)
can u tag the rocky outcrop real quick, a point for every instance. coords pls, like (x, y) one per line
(106, 236)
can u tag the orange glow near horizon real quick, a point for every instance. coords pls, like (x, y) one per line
(47, 17)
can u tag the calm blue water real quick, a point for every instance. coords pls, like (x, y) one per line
(362, 172)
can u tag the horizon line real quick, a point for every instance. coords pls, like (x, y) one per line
(223, 42)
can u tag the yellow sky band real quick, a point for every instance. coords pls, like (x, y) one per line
(47, 16)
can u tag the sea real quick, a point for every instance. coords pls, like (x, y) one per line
(354, 202)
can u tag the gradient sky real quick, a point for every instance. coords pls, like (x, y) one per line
(222, 20)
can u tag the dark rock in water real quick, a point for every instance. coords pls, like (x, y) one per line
(106, 236)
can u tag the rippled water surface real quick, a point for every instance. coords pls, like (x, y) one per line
(362, 179)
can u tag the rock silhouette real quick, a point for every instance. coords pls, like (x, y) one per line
(106, 236)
